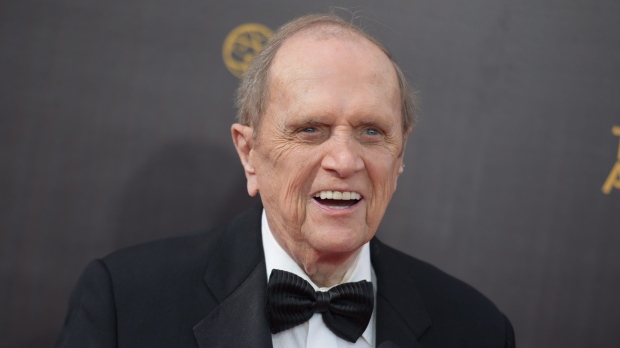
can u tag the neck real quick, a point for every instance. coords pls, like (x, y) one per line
(325, 269)
(329, 270)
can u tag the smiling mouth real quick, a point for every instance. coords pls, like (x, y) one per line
(337, 199)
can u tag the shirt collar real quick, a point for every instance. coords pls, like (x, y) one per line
(277, 258)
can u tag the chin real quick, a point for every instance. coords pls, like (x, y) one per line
(338, 241)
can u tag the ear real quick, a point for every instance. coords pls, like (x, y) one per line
(401, 167)
(242, 137)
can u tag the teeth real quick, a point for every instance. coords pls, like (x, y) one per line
(345, 196)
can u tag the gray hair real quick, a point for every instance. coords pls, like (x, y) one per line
(253, 92)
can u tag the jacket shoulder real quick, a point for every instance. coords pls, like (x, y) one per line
(445, 288)
(161, 255)
(187, 252)
(458, 312)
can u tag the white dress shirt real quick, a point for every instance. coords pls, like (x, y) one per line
(314, 333)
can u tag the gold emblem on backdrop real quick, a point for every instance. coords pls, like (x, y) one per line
(613, 180)
(242, 44)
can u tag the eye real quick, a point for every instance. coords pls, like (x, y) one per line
(311, 133)
(371, 131)
(371, 135)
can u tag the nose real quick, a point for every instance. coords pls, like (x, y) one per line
(343, 157)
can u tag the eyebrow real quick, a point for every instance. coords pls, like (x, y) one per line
(315, 121)
(306, 122)
(375, 124)
(371, 123)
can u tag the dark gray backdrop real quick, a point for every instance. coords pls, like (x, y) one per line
(114, 129)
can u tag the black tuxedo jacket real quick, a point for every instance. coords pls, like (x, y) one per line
(196, 292)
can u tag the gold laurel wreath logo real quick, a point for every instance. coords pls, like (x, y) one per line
(242, 44)
(613, 180)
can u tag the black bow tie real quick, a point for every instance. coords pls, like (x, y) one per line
(291, 301)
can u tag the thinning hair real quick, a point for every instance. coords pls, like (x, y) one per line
(253, 92)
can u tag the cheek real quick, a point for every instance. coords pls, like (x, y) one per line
(287, 176)
(383, 175)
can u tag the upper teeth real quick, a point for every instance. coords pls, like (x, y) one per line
(338, 195)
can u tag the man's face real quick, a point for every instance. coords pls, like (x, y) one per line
(329, 149)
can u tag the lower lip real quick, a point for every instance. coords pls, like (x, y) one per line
(336, 210)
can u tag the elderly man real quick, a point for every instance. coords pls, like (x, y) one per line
(324, 117)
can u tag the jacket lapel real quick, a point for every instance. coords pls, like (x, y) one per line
(237, 278)
(401, 316)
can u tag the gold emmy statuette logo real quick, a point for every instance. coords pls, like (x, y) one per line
(242, 44)
(613, 180)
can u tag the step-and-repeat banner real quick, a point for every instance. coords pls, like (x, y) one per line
(115, 129)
